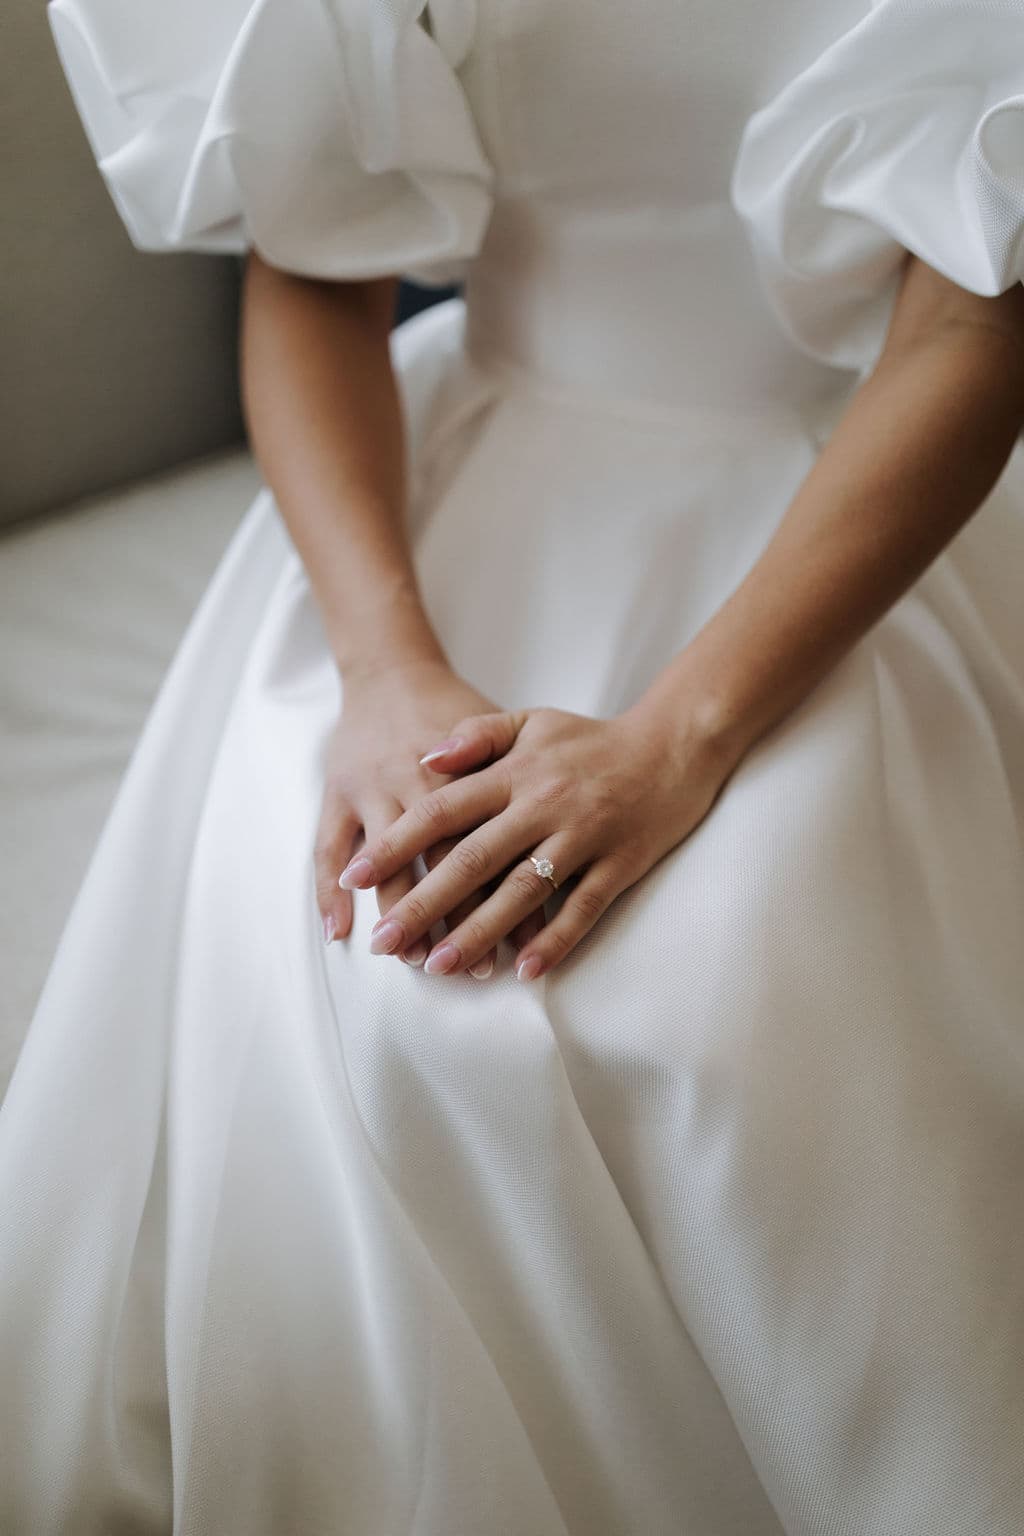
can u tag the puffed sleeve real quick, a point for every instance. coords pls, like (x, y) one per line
(333, 135)
(907, 134)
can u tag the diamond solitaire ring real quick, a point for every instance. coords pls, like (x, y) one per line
(546, 870)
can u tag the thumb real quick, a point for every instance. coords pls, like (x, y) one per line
(476, 740)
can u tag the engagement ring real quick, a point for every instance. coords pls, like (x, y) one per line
(546, 870)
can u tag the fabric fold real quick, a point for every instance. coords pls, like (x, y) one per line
(334, 137)
(906, 134)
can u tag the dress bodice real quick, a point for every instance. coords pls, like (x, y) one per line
(614, 257)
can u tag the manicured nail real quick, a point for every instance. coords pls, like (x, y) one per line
(357, 873)
(439, 751)
(386, 937)
(527, 969)
(416, 953)
(442, 959)
(483, 968)
(330, 927)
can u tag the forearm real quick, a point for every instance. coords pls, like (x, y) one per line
(324, 421)
(919, 448)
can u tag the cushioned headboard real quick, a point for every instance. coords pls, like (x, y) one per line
(113, 363)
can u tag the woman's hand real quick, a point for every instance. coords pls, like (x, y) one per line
(390, 717)
(604, 800)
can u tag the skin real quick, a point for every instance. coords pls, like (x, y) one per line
(919, 448)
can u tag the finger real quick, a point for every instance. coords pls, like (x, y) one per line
(335, 836)
(433, 857)
(584, 904)
(525, 932)
(531, 925)
(476, 740)
(521, 892)
(474, 859)
(456, 807)
(377, 816)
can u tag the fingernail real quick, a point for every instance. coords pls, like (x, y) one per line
(330, 927)
(482, 969)
(439, 751)
(416, 953)
(444, 958)
(386, 938)
(527, 969)
(357, 873)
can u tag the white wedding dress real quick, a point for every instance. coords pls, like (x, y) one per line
(716, 1230)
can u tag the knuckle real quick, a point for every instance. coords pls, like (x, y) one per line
(385, 849)
(590, 901)
(518, 772)
(434, 810)
(604, 803)
(555, 790)
(621, 870)
(524, 885)
(415, 912)
(473, 937)
(542, 721)
(469, 859)
(558, 942)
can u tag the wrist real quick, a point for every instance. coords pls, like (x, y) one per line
(686, 719)
(392, 639)
(395, 665)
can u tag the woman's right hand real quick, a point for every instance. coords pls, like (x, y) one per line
(391, 716)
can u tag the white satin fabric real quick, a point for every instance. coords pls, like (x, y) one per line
(715, 1230)
(906, 134)
(333, 136)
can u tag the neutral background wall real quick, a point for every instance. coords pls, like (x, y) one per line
(113, 363)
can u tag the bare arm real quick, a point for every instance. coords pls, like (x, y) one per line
(323, 414)
(919, 448)
(324, 419)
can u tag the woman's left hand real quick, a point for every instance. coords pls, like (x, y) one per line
(604, 800)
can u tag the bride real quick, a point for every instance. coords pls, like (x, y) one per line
(622, 670)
